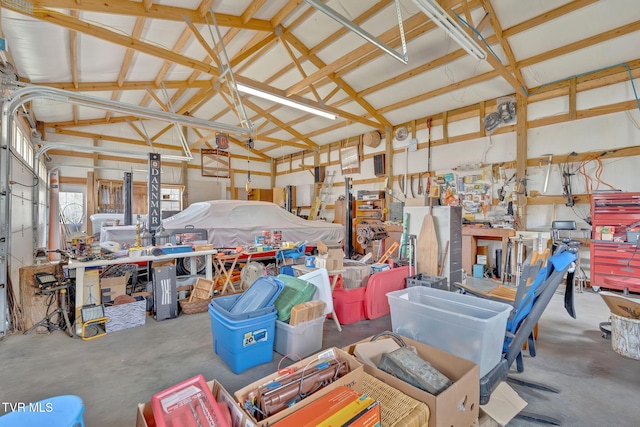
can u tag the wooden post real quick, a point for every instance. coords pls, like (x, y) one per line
(388, 159)
(91, 201)
(521, 156)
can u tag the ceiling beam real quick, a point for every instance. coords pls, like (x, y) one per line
(280, 124)
(300, 47)
(73, 53)
(126, 63)
(547, 16)
(122, 40)
(581, 44)
(504, 43)
(156, 11)
(297, 64)
(386, 37)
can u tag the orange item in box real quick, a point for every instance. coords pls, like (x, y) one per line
(364, 412)
(315, 413)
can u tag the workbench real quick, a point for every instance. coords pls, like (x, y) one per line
(470, 237)
(81, 267)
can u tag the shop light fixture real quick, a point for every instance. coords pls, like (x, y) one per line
(285, 101)
(443, 20)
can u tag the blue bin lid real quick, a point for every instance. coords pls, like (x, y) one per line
(262, 293)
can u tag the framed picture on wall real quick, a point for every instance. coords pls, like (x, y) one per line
(350, 159)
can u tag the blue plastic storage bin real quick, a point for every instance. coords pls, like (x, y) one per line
(262, 293)
(243, 344)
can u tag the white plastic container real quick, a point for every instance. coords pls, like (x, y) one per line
(466, 326)
(301, 340)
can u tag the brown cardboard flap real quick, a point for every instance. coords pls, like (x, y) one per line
(458, 405)
(504, 404)
(352, 380)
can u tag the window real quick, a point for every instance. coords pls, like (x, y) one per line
(171, 199)
(71, 210)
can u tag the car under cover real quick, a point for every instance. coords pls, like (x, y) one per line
(231, 223)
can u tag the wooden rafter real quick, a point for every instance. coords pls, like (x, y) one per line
(156, 11)
(281, 124)
(300, 47)
(504, 43)
(73, 49)
(126, 62)
(386, 37)
(581, 44)
(146, 4)
(299, 66)
(359, 20)
(122, 40)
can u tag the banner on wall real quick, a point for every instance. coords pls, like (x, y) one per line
(154, 191)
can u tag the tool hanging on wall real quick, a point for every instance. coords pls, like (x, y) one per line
(420, 189)
(401, 183)
(501, 191)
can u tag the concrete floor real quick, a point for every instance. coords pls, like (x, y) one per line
(113, 373)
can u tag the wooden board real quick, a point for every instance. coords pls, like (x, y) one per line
(427, 247)
(306, 311)
(34, 307)
(621, 305)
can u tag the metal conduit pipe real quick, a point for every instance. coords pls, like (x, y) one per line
(28, 93)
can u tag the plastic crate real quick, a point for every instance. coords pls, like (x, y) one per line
(243, 344)
(349, 305)
(466, 326)
(301, 340)
(437, 282)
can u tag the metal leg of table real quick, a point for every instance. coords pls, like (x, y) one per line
(79, 298)
(209, 267)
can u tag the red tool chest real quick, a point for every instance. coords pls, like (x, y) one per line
(615, 264)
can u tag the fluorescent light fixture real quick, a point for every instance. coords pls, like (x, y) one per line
(361, 32)
(443, 20)
(285, 101)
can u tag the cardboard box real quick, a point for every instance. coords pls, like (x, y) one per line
(604, 232)
(238, 418)
(113, 287)
(333, 254)
(321, 409)
(458, 405)
(352, 380)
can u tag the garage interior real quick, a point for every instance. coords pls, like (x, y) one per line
(463, 140)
